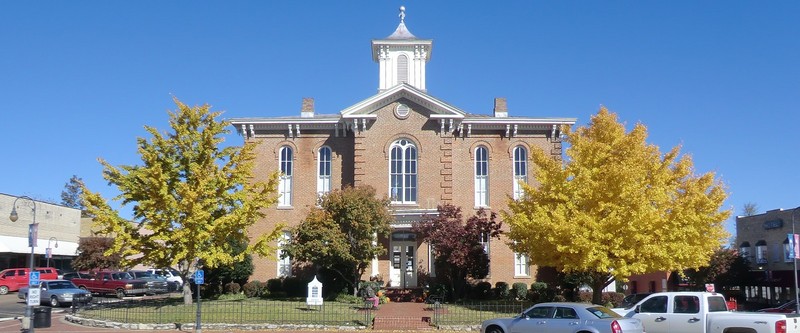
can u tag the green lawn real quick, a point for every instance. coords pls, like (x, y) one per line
(245, 311)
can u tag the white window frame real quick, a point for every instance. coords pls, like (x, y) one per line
(520, 171)
(521, 267)
(403, 169)
(481, 176)
(402, 69)
(284, 264)
(285, 165)
(324, 165)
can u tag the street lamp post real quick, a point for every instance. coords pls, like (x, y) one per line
(32, 235)
(49, 253)
(796, 295)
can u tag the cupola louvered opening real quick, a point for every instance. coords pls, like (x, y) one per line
(402, 69)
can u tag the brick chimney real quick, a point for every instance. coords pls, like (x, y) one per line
(500, 108)
(307, 111)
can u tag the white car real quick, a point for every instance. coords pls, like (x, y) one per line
(564, 317)
(169, 274)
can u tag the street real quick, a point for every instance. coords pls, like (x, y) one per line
(11, 306)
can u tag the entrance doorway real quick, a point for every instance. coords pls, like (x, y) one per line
(403, 256)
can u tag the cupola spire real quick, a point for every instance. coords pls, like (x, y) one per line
(401, 57)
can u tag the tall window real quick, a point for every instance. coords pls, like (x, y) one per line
(403, 172)
(284, 262)
(520, 170)
(761, 252)
(402, 69)
(481, 177)
(521, 265)
(324, 171)
(285, 185)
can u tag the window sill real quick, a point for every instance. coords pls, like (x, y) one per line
(285, 207)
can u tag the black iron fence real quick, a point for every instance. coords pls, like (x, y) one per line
(241, 312)
(473, 313)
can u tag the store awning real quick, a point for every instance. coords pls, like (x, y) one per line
(10, 244)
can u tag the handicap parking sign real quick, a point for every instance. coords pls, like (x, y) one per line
(199, 277)
(33, 278)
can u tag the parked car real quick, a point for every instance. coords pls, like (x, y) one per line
(58, 292)
(169, 273)
(631, 300)
(75, 275)
(704, 312)
(119, 283)
(788, 307)
(155, 284)
(14, 278)
(564, 317)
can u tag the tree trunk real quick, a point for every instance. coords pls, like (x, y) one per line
(187, 293)
(599, 281)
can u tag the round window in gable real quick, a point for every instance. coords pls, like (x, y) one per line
(401, 111)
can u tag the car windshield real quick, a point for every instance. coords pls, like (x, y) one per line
(122, 276)
(61, 285)
(602, 312)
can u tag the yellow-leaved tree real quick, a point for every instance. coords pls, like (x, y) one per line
(617, 207)
(192, 201)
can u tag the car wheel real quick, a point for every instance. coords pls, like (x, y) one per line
(120, 293)
(3, 290)
(494, 329)
(82, 287)
(54, 302)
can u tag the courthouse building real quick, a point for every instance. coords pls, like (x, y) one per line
(416, 149)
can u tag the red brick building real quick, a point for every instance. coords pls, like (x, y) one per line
(418, 150)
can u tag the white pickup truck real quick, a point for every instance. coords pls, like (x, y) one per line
(703, 312)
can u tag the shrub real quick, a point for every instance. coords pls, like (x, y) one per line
(254, 289)
(482, 290)
(501, 290)
(294, 286)
(348, 298)
(274, 285)
(609, 298)
(232, 288)
(540, 292)
(520, 290)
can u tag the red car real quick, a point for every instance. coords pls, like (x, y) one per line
(788, 307)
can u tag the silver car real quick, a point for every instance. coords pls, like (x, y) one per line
(58, 292)
(564, 318)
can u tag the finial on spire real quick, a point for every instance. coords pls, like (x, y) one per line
(402, 14)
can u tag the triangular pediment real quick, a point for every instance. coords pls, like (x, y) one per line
(438, 108)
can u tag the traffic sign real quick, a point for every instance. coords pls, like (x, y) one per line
(33, 278)
(34, 296)
(199, 277)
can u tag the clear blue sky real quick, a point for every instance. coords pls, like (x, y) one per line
(79, 80)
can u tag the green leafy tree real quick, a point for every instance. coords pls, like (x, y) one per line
(339, 234)
(92, 254)
(192, 200)
(71, 195)
(617, 207)
(238, 271)
(458, 247)
(718, 265)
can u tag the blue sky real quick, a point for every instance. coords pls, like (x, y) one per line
(79, 80)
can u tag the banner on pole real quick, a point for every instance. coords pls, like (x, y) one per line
(796, 248)
(790, 253)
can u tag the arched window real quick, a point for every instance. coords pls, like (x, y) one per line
(744, 249)
(285, 185)
(324, 171)
(520, 170)
(481, 177)
(402, 69)
(761, 252)
(403, 172)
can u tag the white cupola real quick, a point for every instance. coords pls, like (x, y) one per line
(401, 57)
